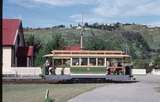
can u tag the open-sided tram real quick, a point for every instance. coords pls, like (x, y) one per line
(89, 64)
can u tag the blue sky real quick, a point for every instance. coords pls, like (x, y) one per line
(43, 13)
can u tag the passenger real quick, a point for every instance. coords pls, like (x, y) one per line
(52, 70)
(109, 71)
(119, 64)
(47, 65)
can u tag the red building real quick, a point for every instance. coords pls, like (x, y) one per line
(15, 52)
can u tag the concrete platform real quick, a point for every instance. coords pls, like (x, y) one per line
(90, 76)
(74, 78)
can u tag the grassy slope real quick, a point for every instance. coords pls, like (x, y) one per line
(151, 35)
(115, 39)
(36, 92)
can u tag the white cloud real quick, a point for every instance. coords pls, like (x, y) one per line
(34, 3)
(127, 8)
(105, 11)
(90, 18)
(109, 11)
(104, 8)
(76, 17)
(64, 2)
(154, 24)
(24, 3)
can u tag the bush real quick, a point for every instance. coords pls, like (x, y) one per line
(157, 62)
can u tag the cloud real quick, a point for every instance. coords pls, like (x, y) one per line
(104, 8)
(127, 8)
(103, 11)
(23, 3)
(34, 3)
(50, 3)
(109, 11)
(64, 2)
(154, 24)
(90, 18)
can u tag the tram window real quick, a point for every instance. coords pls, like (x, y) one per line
(119, 62)
(57, 62)
(108, 61)
(84, 61)
(75, 61)
(92, 61)
(100, 61)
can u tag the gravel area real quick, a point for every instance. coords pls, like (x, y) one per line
(146, 90)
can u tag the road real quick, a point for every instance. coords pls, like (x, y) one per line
(143, 91)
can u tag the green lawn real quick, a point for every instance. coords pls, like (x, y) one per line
(36, 92)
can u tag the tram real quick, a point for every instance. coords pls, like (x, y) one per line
(111, 65)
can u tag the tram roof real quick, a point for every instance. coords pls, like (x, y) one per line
(87, 53)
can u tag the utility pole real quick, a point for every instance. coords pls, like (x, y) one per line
(82, 28)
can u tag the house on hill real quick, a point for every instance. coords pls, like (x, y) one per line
(15, 52)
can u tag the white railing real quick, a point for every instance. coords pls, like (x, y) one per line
(139, 71)
(23, 71)
(155, 71)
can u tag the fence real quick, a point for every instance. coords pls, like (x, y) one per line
(155, 71)
(24, 71)
(139, 71)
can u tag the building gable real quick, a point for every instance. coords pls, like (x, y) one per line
(12, 28)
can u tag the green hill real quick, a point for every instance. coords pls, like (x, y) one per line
(141, 41)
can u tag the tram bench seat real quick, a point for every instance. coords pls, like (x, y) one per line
(60, 71)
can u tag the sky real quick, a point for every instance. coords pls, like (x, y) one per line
(47, 13)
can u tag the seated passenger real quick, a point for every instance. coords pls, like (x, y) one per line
(52, 70)
(119, 64)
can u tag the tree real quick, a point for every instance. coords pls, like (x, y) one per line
(70, 25)
(117, 25)
(32, 41)
(39, 60)
(95, 25)
(157, 62)
(94, 43)
(86, 24)
(56, 42)
(61, 26)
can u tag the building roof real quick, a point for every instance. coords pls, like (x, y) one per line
(10, 30)
(73, 47)
(25, 51)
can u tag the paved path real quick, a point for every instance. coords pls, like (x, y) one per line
(143, 91)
